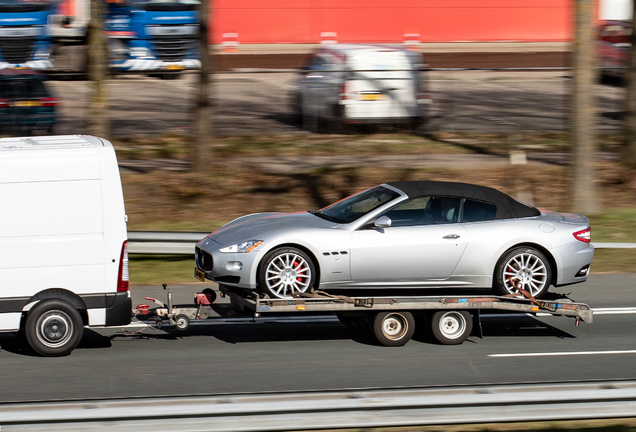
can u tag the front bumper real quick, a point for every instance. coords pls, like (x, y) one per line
(142, 65)
(232, 269)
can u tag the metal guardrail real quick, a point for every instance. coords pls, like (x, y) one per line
(163, 242)
(331, 410)
(182, 243)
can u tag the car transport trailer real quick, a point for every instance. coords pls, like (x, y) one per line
(392, 319)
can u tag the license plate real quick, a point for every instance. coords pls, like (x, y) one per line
(27, 103)
(199, 275)
(371, 96)
(174, 67)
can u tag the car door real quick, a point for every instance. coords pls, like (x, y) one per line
(421, 247)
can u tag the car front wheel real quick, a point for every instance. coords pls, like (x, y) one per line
(523, 267)
(284, 271)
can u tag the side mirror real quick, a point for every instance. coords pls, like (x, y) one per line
(382, 222)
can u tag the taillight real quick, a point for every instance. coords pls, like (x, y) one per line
(122, 276)
(343, 91)
(4, 103)
(49, 102)
(584, 235)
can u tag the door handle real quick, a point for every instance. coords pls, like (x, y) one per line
(451, 236)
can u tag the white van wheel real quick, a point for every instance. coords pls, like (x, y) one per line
(53, 328)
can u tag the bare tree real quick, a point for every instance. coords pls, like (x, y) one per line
(97, 71)
(201, 150)
(584, 193)
(629, 148)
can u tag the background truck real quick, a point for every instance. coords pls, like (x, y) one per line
(148, 36)
(24, 38)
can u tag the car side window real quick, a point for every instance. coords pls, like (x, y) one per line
(425, 211)
(318, 63)
(475, 211)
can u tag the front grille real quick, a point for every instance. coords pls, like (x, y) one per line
(173, 49)
(17, 50)
(204, 260)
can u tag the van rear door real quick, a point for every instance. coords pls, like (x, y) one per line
(381, 85)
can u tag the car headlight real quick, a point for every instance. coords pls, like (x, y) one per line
(246, 246)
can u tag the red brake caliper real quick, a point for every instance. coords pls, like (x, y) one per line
(296, 265)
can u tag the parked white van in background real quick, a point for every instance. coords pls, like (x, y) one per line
(348, 83)
(63, 257)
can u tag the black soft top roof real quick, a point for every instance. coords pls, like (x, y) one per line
(507, 207)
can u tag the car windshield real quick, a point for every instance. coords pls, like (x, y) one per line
(358, 205)
(167, 5)
(22, 88)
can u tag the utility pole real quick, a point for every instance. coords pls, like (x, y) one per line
(584, 194)
(201, 150)
(97, 72)
(629, 145)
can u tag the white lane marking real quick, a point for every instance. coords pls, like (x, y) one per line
(614, 311)
(563, 353)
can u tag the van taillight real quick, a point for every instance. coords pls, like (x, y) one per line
(122, 277)
(49, 102)
(4, 103)
(343, 91)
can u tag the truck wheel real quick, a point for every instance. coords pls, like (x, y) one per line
(393, 328)
(182, 322)
(451, 327)
(53, 328)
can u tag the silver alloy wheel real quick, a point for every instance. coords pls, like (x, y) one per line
(54, 328)
(452, 325)
(288, 273)
(527, 270)
(394, 326)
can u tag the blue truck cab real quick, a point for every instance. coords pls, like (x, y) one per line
(24, 39)
(153, 36)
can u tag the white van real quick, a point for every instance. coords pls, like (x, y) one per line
(63, 257)
(349, 83)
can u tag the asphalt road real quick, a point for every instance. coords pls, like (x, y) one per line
(258, 104)
(305, 355)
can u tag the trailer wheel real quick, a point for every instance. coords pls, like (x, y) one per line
(451, 327)
(53, 328)
(182, 322)
(393, 328)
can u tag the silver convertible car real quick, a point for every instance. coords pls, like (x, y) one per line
(420, 234)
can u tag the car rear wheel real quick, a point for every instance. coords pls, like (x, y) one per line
(523, 267)
(284, 271)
